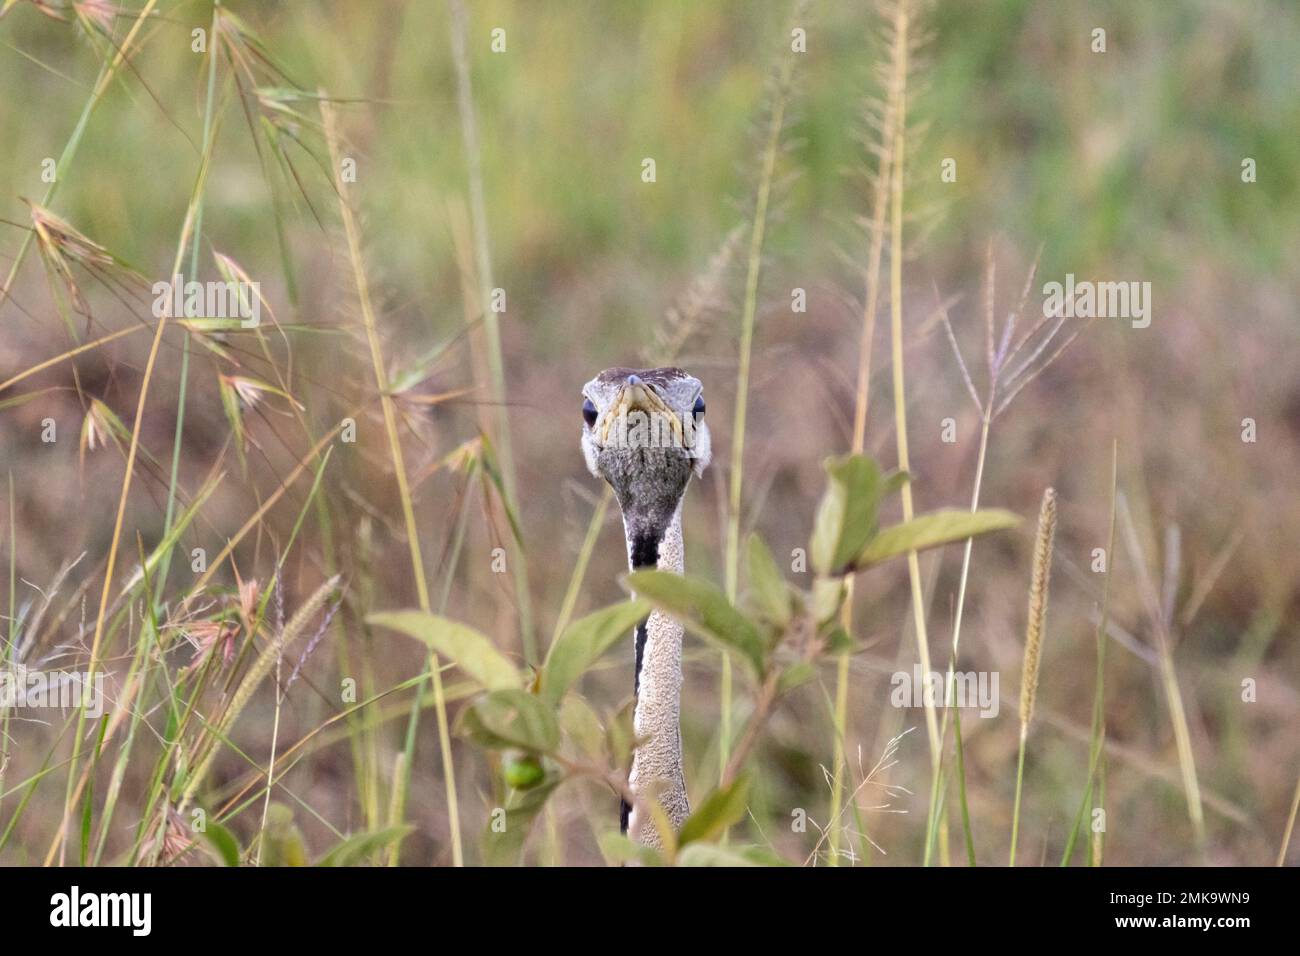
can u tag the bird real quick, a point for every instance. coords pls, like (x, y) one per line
(643, 433)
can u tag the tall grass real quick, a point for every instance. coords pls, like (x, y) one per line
(1035, 634)
(74, 789)
(1096, 744)
(491, 328)
(399, 467)
(887, 117)
(770, 151)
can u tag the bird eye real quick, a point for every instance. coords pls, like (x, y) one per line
(589, 413)
(699, 408)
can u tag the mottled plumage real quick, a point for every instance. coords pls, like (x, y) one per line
(644, 434)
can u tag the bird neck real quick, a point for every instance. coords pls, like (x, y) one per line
(657, 763)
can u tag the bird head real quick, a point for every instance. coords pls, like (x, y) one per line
(643, 431)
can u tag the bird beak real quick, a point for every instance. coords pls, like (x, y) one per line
(636, 395)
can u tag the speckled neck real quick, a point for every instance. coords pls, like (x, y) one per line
(657, 763)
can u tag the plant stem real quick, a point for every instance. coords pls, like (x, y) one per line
(876, 242)
(399, 466)
(185, 341)
(491, 330)
(1098, 733)
(1020, 776)
(771, 149)
(956, 641)
(1290, 825)
(900, 399)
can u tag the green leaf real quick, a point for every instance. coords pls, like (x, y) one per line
(359, 847)
(470, 650)
(582, 644)
(721, 808)
(502, 847)
(768, 588)
(932, 530)
(709, 854)
(620, 734)
(581, 726)
(838, 641)
(846, 516)
(761, 856)
(619, 849)
(510, 718)
(795, 675)
(701, 606)
(827, 596)
(282, 843)
(223, 843)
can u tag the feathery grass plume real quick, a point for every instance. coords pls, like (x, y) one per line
(1003, 384)
(886, 116)
(777, 107)
(256, 673)
(1035, 628)
(61, 246)
(107, 73)
(77, 783)
(705, 297)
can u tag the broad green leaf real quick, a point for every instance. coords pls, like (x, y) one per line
(710, 854)
(282, 843)
(511, 718)
(769, 591)
(932, 530)
(356, 849)
(502, 846)
(470, 650)
(827, 596)
(223, 843)
(701, 606)
(619, 849)
(620, 734)
(846, 517)
(761, 856)
(581, 726)
(583, 642)
(796, 675)
(720, 809)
